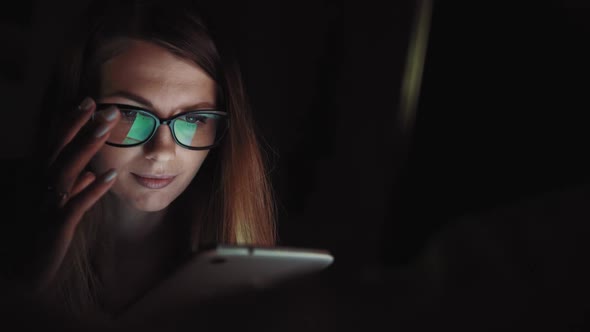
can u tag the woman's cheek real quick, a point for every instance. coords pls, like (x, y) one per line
(111, 157)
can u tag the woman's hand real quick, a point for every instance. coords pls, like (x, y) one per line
(71, 190)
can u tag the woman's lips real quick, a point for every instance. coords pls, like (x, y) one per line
(152, 181)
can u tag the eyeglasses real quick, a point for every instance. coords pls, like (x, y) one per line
(194, 130)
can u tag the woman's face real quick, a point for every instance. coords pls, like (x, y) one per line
(152, 175)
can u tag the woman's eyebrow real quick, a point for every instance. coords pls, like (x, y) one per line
(146, 103)
(203, 104)
(131, 96)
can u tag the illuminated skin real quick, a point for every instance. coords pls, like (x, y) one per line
(150, 77)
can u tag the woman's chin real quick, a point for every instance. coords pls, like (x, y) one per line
(154, 207)
(146, 200)
(152, 204)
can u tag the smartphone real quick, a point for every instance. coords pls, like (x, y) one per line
(222, 269)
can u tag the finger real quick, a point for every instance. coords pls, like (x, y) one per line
(83, 181)
(76, 155)
(72, 214)
(72, 125)
(65, 173)
(79, 204)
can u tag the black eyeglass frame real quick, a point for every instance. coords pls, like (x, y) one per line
(169, 122)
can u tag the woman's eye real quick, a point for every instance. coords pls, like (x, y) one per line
(128, 114)
(196, 118)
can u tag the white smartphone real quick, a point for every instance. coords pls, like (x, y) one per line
(224, 269)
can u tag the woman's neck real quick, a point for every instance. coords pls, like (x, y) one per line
(129, 225)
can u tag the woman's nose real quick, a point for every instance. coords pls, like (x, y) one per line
(162, 146)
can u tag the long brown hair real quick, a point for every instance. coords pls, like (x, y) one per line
(230, 198)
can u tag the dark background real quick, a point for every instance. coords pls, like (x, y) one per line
(502, 118)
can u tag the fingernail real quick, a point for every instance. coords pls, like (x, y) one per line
(111, 113)
(110, 175)
(85, 105)
(100, 131)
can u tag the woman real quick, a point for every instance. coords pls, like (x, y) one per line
(151, 154)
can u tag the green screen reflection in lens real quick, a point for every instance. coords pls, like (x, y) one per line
(140, 130)
(185, 131)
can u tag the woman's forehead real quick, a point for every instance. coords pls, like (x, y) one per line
(152, 62)
(160, 77)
